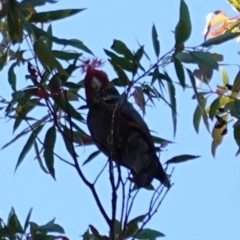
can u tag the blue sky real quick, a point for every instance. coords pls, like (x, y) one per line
(204, 202)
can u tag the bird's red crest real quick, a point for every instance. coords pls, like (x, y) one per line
(88, 64)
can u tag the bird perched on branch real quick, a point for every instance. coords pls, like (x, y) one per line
(118, 130)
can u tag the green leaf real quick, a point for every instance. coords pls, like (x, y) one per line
(49, 143)
(122, 79)
(66, 55)
(25, 131)
(139, 54)
(236, 132)
(224, 75)
(51, 227)
(236, 83)
(69, 109)
(149, 234)
(160, 140)
(197, 118)
(3, 60)
(156, 44)
(12, 76)
(180, 72)
(46, 57)
(14, 225)
(91, 157)
(234, 107)
(121, 61)
(43, 17)
(35, 3)
(181, 158)
(121, 48)
(217, 132)
(27, 220)
(33, 229)
(184, 27)
(137, 219)
(198, 113)
(15, 26)
(235, 4)
(117, 226)
(68, 140)
(48, 41)
(131, 230)
(185, 57)
(28, 145)
(214, 108)
(71, 42)
(205, 58)
(220, 39)
(39, 158)
(192, 79)
(172, 96)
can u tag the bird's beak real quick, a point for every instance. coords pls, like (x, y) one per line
(96, 84)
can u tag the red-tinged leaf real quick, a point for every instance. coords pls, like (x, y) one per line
(181, 158)
(212, 19)
(41, 93)
(49, 143)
